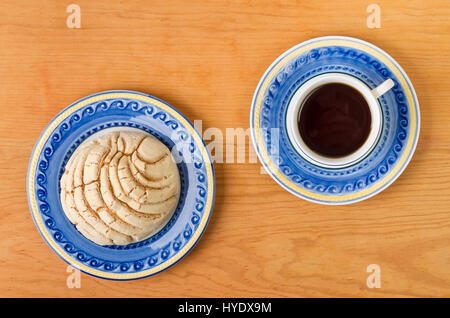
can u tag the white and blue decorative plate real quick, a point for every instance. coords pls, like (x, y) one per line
(120, 109)
(371, 174)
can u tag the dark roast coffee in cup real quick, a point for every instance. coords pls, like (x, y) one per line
(334, 120)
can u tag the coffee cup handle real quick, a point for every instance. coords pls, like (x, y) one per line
(383, 88)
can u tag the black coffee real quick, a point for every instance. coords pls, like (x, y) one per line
(335, 120)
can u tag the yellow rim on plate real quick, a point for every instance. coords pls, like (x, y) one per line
(267, 79)
(36, 214)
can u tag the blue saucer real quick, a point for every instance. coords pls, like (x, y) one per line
(120, 109)
(374, 172)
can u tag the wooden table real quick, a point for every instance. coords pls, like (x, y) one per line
(206, 58)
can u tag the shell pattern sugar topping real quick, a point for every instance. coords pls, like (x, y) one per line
(120, 188)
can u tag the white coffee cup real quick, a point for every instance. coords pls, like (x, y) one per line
(371, 97)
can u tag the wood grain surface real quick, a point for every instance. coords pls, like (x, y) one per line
(206, 58)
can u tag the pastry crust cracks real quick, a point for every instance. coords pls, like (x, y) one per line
(120, 188)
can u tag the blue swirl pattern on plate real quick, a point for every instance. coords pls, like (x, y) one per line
(135, 260)
(396, 128)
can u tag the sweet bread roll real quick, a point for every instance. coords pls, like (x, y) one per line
(120, 188)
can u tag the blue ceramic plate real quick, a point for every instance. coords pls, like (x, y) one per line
(120, 109)
(395, 145)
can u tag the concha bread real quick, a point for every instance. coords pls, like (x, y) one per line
(120, 188)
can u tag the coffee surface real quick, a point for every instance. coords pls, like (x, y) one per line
(334, 120)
